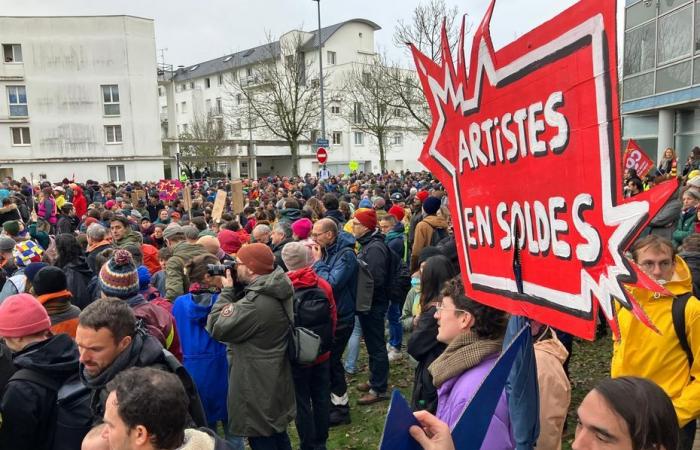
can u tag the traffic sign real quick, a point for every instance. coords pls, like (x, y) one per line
(322, 142)
(322, 155)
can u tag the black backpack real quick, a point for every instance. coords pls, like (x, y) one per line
(312, 310)
(399, 279)
(438, 235)
(678, 316)
(72, 416)
(195, 408)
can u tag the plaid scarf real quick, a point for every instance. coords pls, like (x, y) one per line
(464, 352)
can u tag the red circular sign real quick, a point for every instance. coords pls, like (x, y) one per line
(321, 155)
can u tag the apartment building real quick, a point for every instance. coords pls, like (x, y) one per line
(80, 99)
(208, 89)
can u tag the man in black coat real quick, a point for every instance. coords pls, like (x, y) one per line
(27, 407)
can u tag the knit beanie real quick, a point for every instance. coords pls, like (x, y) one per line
(397, 212)
(296, 255)
(173, 230)
(144, 277)
(422, 195)
(31, 270)
(118, 277)
(367, 217)
(230, 241)
(11, 227)
(302, 227)
(257, 257)
(22, 315)
(48, 280)
(27, 252)
(365, 203)
(431, 205)
(109, 204)
(90, 220)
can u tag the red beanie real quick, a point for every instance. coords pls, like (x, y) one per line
(257, 257)
(22, 315)
(90, 220)
(422, 195)
(397, 212)
(230, 241)
(367, 217)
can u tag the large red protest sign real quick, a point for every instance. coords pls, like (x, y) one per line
(526, 145)
(635, 158)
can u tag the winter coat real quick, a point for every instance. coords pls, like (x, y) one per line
(555, 391)
(307, 278)
(203, 357)
(664, 222)
(423, 236)
(375, 253)
(92, 255)
(158, 281)
(424, 347)
(642, 352)
(685, 226)
(456, 393)
(130, 238)
(79, 202)
(63, 314)
(261, 400)
(335, 215)
(47, 210)
(176, 282)
(159, 323)
(27, 407)
(410, 308)
(204, 439)
(396, 240)
(78, 276)
(692, 259)
(64, 225)
(339, 268)
(290, 215)
(8, 213)
(277, 252)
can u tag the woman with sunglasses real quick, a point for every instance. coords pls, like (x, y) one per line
(473, 334)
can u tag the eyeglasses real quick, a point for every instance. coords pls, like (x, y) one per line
(441, 308)
(663, 265)
(315, 235)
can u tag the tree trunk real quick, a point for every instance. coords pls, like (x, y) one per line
(294, 150)
(382, 153)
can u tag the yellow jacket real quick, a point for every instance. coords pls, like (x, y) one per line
(643, 353)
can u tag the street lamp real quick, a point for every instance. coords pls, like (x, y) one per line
(320, 72)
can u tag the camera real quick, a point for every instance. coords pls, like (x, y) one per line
(219, 270)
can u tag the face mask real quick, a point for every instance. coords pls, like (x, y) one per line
(415, 282)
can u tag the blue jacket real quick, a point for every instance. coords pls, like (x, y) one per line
(339, 268)
(203, 357)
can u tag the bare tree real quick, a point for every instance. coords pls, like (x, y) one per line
(203, 140)
(424, 30)
(281, 98)
(368, 89)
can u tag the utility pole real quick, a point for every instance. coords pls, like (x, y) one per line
(320, 72)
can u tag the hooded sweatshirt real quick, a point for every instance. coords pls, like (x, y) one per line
(642, 352)
(555, 391)
(423, 236)
(79, 202)
(27, 407)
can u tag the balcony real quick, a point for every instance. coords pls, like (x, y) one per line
(11, 71)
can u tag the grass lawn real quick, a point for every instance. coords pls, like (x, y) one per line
(590, 363)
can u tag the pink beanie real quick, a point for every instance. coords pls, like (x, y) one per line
(22, 315)
(302, 228)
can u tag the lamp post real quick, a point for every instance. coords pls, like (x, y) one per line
(320, 72)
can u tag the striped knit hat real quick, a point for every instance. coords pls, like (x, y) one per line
(118, 277)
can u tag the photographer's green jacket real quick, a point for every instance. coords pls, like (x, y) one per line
(261, 398)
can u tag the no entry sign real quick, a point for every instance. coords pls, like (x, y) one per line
(322, 155)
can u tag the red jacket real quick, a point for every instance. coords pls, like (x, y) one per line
(79, 202)
(305, 278)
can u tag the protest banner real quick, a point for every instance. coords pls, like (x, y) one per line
(219, 203)
(168, 189)
(635, 158)
(527, 145)
(237, 196)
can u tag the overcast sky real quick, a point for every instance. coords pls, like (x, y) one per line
(197, 31)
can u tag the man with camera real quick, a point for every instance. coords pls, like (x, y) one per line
(261, 400)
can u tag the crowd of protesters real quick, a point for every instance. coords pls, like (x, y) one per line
(152, 324)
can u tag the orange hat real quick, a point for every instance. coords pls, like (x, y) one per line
(367, 217)
(397, 212)
(257, 257)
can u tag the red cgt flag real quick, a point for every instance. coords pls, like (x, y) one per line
(635, 158)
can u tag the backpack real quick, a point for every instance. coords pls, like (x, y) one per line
(72, 415)
(438, 235)
(399, 279)
(364, 288)
(678, 316)
(195, 408)
(312, 310)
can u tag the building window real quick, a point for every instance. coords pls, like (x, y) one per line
(359, 138)
(183, 87)
(335, 109)
(221, 79)
(20, 136)
(239, 99)
(207, 106)
(183, 107)
(116, 173)
(397, 139)
(675, 35)
(185, 128)
(110, 99)
(357, 113)
(249, 71)
(315, 134)
(12, 53)
(207, 83)
(330, 57)
(191, 84)
(17, 98)
(337, 138)
(238, 128)
(398, 113)
(219, 106)
(114, 134)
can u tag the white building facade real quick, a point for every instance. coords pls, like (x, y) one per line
(206, 88)
(80, 99)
